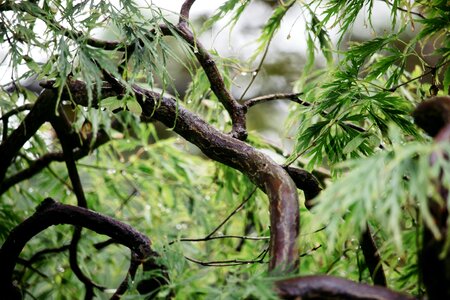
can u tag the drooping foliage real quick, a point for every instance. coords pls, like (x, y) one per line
(351, 114)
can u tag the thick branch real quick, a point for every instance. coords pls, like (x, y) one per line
(333, 288)
(50, 213)
(265, 173)
(306, 182)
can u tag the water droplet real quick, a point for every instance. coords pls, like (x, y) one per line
(244, 73)
(254, 73)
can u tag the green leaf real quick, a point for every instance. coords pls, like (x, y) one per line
(354, 144)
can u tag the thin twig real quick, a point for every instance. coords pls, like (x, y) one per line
(232, 213)
(430, 71)
(17, 110)
(231, 262)
(266, 98)
(311, 251)
(255, 73)
(241, 237)
(405, 10)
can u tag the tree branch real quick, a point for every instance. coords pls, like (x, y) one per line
(49, 213)
(43, 107)
(329, 287)
(184, 13)
(372, 257)
(263, 171)
(39, 164)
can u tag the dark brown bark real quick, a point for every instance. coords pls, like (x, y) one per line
(50, 213)
(329, 287)
(263, 171)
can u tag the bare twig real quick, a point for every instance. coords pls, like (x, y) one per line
(231, 262)
(210, 235)
(263, 58)
(241, 237)
(232, 213)
(295, 97)
(10, 113)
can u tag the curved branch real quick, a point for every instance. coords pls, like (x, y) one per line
(263, 171)
(50, 213)
(184, 13)
(330, 287)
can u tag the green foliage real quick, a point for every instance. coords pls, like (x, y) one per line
(236, 7)
(358, 127)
